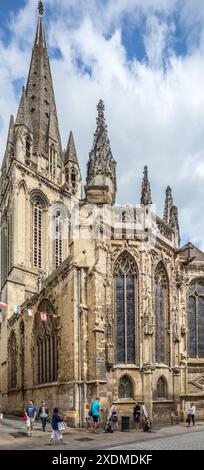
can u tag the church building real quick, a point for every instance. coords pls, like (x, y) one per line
(96, 299)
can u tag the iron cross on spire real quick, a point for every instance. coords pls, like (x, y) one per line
(40, 8)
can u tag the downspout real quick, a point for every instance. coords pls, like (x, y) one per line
(79, 345)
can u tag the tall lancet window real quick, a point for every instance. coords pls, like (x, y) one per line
(52, 162)
(161, 312)
(37, 242)
(195, 303)
(28, 147)
(58, 238)
(46, 341)
(125, 309)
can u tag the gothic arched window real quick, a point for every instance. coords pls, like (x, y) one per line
(125, 389)
(52, 162)
(73, 178)
(125, 309)
(28, 147)
(67, 174)
(47, 342)
(195, 305)
(162, 388)
(58, 238)
(37, 242)
(12, 365)
(161, 312)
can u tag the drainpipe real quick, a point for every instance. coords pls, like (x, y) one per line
(79, 345)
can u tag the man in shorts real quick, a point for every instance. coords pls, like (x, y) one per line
(95, 411)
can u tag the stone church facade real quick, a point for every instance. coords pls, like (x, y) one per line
(124, 302)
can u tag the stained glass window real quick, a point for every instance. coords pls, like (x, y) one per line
(125, 389)
(195, 306)
(125, 301)
(161, 311)
(46, 337)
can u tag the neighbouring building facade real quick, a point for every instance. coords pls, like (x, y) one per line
(124, 306)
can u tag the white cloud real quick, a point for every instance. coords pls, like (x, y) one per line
(155, 114)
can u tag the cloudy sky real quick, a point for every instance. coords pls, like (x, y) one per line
(145, 59)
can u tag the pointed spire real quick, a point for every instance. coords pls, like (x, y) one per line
(23, 115)
(101, 161)
(40, 93)
(70, 154)
(168, 204)
(146, 189)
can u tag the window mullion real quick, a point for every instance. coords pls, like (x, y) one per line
(125, 311)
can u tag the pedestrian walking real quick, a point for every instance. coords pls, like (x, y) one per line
(30, 416)
(95, 411)
(56, 432)
(193, 408)
(88, 417)
(43, 413)
(113, 417)
(136, 416)
(191, 415)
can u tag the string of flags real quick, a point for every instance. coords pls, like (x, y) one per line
(19, 312)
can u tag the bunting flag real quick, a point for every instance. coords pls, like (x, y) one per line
(18, 310)
(31, 313)
(43, 316)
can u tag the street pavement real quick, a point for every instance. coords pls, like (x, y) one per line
(13, 437)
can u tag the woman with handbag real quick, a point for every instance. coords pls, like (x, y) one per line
(57, 424)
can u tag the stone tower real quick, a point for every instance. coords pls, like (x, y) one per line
(33, 184)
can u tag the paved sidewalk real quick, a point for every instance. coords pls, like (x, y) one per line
(12, 436)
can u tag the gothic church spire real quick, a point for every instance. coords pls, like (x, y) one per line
(70, 154)
(168, 204)
(40, 93)
(101, 168)
(146, 189)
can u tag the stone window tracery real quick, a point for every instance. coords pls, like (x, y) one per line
(37, 234)
(58, 238)
(125, 389)
(47, 340)
(161, 312)
(195, 306)
(162, 388)
(125, 309)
